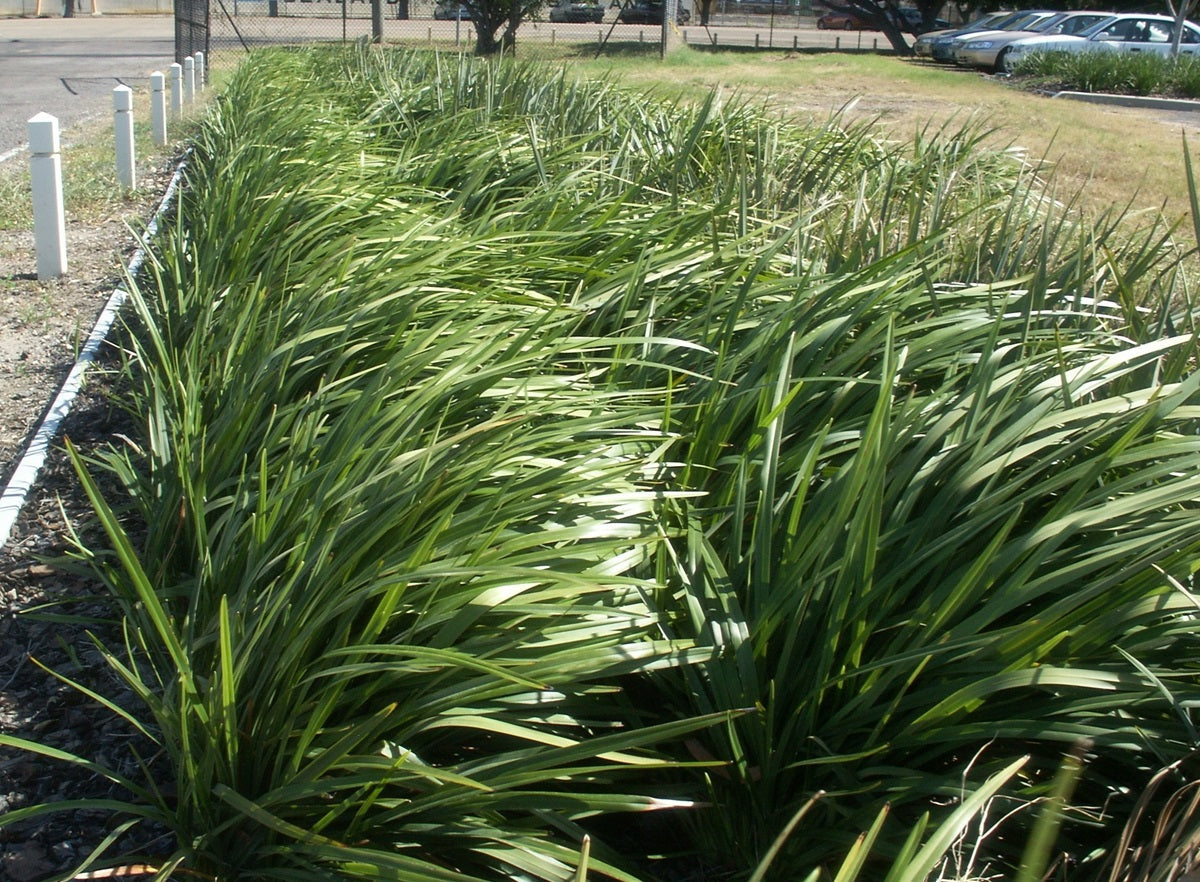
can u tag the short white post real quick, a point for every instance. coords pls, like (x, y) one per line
(45, 173)
(201, 73)
(176, 89)
(189, 79)
(158, 107)
(123, 133)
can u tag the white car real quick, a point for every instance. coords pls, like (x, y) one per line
(990, 50)
(1128, 32)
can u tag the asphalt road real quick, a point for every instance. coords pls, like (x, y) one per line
(68, 67)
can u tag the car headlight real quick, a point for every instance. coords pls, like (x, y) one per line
(982, 44)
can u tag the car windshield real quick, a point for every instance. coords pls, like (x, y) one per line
(1022, 22)
(1046, 23)
(1003, 22)
(989, 20)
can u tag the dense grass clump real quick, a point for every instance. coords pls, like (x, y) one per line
(1122, 73)
(521, 457)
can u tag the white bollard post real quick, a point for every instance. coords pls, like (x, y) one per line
(189, 79)
(158, 107)
(201, 73)
(123, 133)
(45, 173)
(176, 89)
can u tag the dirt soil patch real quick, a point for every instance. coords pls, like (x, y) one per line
(49, 608)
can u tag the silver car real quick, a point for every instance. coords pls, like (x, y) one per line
(990, 50)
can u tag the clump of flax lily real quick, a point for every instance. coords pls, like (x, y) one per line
(516, 453)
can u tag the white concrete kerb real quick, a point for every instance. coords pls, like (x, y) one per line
(21, 483)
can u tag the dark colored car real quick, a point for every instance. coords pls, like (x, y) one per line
(843, 21)
(576, 11)
(649, 12)
(451, 11)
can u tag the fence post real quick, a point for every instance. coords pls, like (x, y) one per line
(176, 89)
(45, 174)
(201, 73)
(376, 21)
(189, 79)
(158, 107)
(123, 133)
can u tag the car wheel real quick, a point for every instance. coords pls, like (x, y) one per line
(849, 25)
(820, 25)
(1002, 61)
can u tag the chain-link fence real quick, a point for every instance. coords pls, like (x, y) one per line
(561, 28)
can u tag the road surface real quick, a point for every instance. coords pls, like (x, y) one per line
(68, 67)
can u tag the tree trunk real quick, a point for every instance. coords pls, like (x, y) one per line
(486, 43)
(1181, 14)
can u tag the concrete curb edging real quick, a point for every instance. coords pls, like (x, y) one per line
(1179, 104)
(12, 501)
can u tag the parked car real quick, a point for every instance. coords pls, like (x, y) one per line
(923, 47)
(576, 11)
(649, 12)
(944, 47)
(990, 49)
(450, 11)
(844, 21)
(1022, 24)
(1125, 32)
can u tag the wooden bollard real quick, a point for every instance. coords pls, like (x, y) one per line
(176, 89)
(45, 173)
(123, 135)
(189, 80)
(158, 107)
